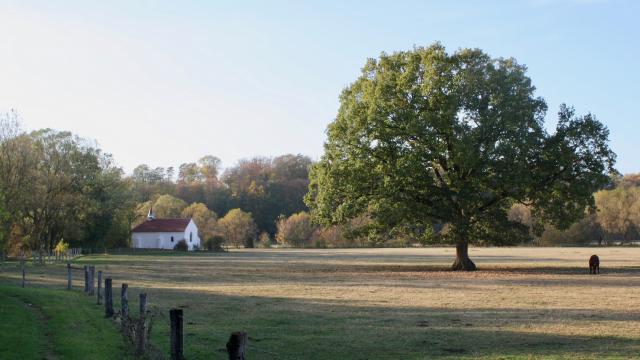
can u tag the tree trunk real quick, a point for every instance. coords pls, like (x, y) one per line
(462, 262)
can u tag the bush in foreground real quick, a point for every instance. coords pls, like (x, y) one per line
(181, 246)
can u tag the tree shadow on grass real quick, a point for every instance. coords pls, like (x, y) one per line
(492, 269)
(474, 343)
(561, 270)
(345, 275)
(331, 329)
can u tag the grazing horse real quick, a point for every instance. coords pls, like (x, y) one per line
(594, 264)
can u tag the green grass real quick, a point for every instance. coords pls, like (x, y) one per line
(21, 334)
(42, 323)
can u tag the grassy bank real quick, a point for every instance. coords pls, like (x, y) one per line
(42, 323)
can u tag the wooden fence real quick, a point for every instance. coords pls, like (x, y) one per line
(50, 257)
(137, 329)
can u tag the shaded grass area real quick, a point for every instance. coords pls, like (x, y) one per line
(282, 328)
(21, 335)
(43, 323)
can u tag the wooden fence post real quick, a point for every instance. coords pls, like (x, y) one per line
(141, 328)
(24, 271)
(86, 279)
(176, 334)
(236, 346)
(124, 302)
(141, 336)
(99, 287)
(92, 273)
(69, 278)
(108, 298)
(143, 304)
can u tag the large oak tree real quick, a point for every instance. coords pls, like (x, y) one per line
(428, 140)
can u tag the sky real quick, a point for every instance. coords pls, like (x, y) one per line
(166, 82)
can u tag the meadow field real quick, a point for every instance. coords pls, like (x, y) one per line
(523, 303)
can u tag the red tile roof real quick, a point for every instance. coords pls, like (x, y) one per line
(162, 225)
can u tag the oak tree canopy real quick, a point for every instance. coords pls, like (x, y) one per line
(444, 144)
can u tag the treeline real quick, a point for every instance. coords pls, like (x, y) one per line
(264, 187)
(56, 186)
(249, 196)
(616, 221)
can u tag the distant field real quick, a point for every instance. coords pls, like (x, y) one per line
(386, 303)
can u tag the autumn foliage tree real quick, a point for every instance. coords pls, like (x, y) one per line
(164, 206)
(296, 230)
(268, 188)
(238, 228)
(619, 212)
(424, 138)
(205, 219)
(54, 184)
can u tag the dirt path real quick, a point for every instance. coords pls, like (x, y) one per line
(44, 324)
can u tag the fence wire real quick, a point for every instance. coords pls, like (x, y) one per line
(250, 346)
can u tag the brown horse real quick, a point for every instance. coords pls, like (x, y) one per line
(594, 264)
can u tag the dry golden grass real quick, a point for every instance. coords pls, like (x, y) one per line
(388, 303)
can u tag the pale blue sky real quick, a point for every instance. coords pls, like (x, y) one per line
(165, 82)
